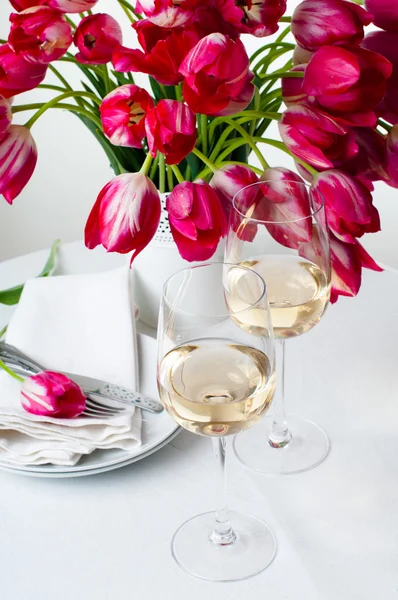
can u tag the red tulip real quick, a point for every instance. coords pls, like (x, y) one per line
(229, 180)
(318, 23)
(96, 37)
(72, 6)
(348, 205)
(217, 75)
(171, 129)
(385, 13)
(197, 220)
(165, 49)
(123, 114)
(392, 157)
(18, 157)
(292, 87)
(24, 4)
(16, 74)
(347, 262)
(386, 43)
(51, 394)
(5, 116)
(125, 215)
(348, 81)
(40, 34)
(316, 138)
(258, 18)
(166, 13)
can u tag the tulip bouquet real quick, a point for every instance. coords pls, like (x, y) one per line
(194, 129)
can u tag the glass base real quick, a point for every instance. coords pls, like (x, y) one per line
(308, 447)
(253, 550)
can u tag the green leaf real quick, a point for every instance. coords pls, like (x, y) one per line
(158, 91)
(12, 295)
(194, 164)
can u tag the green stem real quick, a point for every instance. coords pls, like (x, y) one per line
(384, 125)
(7, 370)
(283, 74)
(129, 15)
(178, 90)
(46, 86)
(170, 180)
(204, 159)
(203, 133)
(177, 173)
(205, 172)
(60, 76)
(154, 168)
(249, 141)
(271, 46)
(281, 146)
(107, 81)
(287, 19)
(70, 107)
(146, 164)
(2, 332)
(162, 174)
(53, 104)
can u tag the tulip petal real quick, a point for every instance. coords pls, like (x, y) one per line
(18, 157)
(331, 70)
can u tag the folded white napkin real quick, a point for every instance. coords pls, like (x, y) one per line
(80, 324)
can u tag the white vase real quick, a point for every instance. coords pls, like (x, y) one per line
(154, 265)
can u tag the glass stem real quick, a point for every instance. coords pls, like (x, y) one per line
(222, 534)
(280, 435)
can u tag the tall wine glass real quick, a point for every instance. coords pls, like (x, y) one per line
(215, 379)
(278, 228)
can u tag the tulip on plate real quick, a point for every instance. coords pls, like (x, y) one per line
(51, 394)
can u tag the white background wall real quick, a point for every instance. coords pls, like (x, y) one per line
(72, 168)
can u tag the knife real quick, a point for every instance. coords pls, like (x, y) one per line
(92, 387)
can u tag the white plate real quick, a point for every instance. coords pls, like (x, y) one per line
(157, 431)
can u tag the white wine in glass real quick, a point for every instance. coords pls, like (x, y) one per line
(286, 242)
(215, 380)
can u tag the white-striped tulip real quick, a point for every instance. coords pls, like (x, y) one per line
(18, 157)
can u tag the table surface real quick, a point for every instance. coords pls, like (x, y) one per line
(107, 537)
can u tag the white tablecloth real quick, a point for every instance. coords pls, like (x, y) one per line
(107, 537)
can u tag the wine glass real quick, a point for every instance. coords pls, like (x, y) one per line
(278, 228)
(216, 379)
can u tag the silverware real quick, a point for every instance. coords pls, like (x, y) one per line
(90, 386)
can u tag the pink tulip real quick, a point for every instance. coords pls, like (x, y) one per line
(229, 180)
(292, 87)
(258, 18)
(40, 34)
(285, 205)
(370, 162)
(318, 23)
(386, 43)
(96, 37)
(16, 74)
(385, 13)
(166, 13)
(5, 116)
(51, 394)
(164, 51)
(197, 220)
(18, 157)
(348, 81)
(72, 6)
(123, 114)
(125, 215)
(348, 204)
(171, 129)
(217, 75)
(316, 138)
(347, 262)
